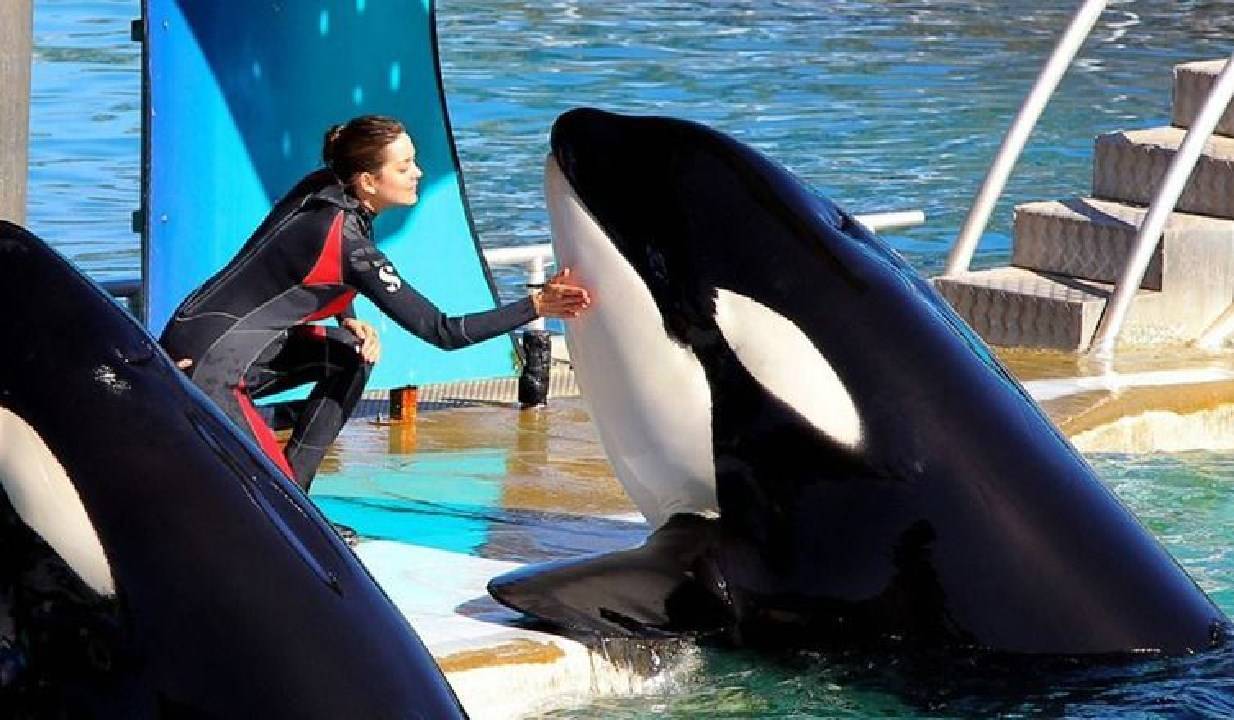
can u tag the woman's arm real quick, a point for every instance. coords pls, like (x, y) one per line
(372, 274)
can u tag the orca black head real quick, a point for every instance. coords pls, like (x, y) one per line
(754, 352)
(155, 562)
(694, 211)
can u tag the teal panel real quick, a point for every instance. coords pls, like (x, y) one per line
(439, 500)
(240, 93)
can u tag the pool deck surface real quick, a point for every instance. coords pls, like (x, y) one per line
(471, 491)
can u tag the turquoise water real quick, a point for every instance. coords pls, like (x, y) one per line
(883, 105)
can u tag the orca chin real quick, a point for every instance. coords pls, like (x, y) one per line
(754, 352)
(155, 563)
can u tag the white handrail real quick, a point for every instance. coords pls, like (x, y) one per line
(533, 257)
(518, 255)
(1159, 212)
(1215, 336)
(1017, 136)
(878, 222)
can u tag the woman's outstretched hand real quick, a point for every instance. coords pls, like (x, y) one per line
(561, 297)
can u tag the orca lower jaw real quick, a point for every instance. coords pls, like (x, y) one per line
(674, 586)
(658, 590)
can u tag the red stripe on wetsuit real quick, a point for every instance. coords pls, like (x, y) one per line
(265, 436)
(328, 270)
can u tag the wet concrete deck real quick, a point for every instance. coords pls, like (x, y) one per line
(472, 491)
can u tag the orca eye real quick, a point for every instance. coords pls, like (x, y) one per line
(136, 354)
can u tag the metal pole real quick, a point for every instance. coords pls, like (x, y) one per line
(1215, 336)
(1159, 212)
(537, 368)
(1017, 136)
(16, 29)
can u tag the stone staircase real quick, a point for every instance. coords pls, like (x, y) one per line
(1068, 254)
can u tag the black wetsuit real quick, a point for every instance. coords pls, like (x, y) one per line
(246, 329)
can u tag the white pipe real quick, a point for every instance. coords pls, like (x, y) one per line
(520, 255)
(1017, 136)
(1159, 212)
(877, 222)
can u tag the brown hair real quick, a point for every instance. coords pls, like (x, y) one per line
(359, 145)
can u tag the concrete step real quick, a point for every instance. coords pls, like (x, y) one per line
(1014, 307)
(1084, 238)
(1129, 166)
(1192, 83)
(1092, 239)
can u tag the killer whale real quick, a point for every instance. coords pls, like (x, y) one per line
(155, 563)
(826, 453)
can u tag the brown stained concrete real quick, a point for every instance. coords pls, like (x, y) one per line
(1088, 410)
(1092, 410)
(515, 652)
(1029, 364)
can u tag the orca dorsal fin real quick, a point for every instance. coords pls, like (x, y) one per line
(658, 589)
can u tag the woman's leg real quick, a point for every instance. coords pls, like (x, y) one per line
(325, 356)
(221, 375)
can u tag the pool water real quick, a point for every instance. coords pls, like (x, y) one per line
(894, 104)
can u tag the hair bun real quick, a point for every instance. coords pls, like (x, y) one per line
(358, 145)
(330, 144)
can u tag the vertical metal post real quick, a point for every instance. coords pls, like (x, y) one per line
(537, 368)
(1017, 136)
(16, 42)
(403, 405)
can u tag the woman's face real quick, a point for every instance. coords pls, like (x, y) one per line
(396, 182)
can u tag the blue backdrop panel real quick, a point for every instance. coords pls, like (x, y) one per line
(240, 93)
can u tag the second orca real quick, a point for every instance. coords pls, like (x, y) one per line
(828, 456)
